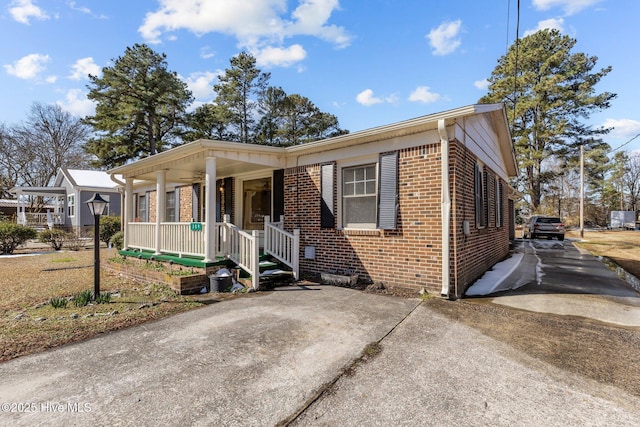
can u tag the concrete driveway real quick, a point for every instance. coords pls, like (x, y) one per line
(557, 277)
(248, 361)
(264, 359)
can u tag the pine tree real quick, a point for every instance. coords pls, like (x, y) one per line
(547, 96)
(140, 107)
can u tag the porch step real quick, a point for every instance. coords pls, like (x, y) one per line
(187, 261)
(271, 273)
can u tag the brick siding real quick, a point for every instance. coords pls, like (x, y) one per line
(409, 257)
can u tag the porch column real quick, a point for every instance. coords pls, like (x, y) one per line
(161, 193)
(210, 236)
(128, 209)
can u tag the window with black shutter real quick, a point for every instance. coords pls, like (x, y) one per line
(388, 192)
(480, 208)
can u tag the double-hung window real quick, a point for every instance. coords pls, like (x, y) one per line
(142, 208)
(359, 196)
(170, 203)
(71, 205)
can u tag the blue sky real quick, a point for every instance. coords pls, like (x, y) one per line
(369, 62)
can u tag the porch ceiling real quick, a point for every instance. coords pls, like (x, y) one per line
(187, 162)
(39, 191)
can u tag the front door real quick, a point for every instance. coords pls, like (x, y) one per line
(256, 199)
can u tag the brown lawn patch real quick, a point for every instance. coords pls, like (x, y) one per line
(28, 322)
(623, 247)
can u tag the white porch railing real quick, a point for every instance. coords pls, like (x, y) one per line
(239, 246)
(242, 248)
(40, 218)
(142, 235)
(282, 245)
(179, 238)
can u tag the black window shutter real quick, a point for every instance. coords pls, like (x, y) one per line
(195, 212)
(228, 198)
(388, 192)
(327, 215)
(278, 194)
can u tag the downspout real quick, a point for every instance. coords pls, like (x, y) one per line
(445, 205)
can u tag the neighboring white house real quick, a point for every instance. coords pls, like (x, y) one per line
(63, 204)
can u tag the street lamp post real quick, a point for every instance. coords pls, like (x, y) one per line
(96, 206)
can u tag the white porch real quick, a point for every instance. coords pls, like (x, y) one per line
(204, 162)
(241, 247)
(40, 207)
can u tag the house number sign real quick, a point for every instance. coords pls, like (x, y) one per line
(196, 226)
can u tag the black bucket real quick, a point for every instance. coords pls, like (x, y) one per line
(220, 284)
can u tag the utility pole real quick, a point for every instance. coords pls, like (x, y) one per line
(581, 191)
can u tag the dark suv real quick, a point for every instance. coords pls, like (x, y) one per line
(549, 226)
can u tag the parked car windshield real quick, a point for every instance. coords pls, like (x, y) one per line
(549, 220)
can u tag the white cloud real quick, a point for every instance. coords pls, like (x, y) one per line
(622, 128)
(83, 67)
(424, 95)
(81, 9)
(444, 39)
(481, 84)
(392, 99)
(201, 84)
(28, 67)
(310, 18)
(77, 103)
(51, 79)
(23, 10)
(568, 6)
(206, 52)
(547, 24)
(367, 99)
(256, 24)
(279, 56)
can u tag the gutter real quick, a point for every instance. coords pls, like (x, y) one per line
(445, 205)
(116, 180)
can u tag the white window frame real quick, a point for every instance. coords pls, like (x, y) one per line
(145, 216)
(360, 162)
(174, 209)
(71, 205)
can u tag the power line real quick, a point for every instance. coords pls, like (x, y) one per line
(619, 147)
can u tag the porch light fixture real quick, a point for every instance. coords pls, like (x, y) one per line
(96, 206)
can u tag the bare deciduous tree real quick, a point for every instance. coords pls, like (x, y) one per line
(49, 139)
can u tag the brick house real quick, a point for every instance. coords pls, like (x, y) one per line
(423, 203)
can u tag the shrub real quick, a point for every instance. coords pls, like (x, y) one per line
(58, 302)
(74, 242)
(117, 240)
(109, 225)
(55, 238)
(13, 235)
